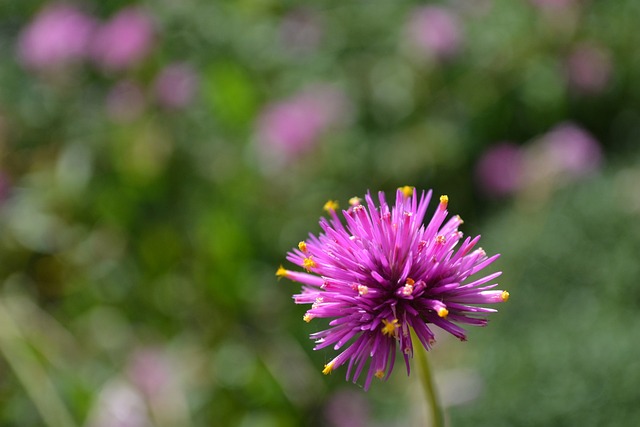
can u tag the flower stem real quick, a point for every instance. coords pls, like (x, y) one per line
(426, 377)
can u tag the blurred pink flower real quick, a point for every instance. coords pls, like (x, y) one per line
(436, 31)
(499, 170)
(125, 101)
(119, 405)
(347, 408)
(175, 86)
(58, 35)
(293, 126)
(150, 371)
(568, 151)
(125, 40)
(589, 68)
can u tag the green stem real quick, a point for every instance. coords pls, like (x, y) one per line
(437, 413)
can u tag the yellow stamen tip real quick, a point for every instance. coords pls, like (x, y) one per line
(281, 272)
(379, 373)
(406, 190)
(443, 312)
(389, 328)
(444, 200)
(331, 206)
(308, 263)
(355, 201)
(363, 290)
(328, 368)
(504, 296)
(307, 317)
(302, 246)
(410, 281)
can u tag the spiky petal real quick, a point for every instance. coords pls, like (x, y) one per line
(384, 272)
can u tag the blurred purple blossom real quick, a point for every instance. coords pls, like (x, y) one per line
(125, 40)
(57, 36)
(125, 101)
(291, 127)
(564, 154)
(347, 408)
(499, 170)
(176, 85)
(436, 31)
(119, 405)
(567, 151)
(150, 371)
(589, 68)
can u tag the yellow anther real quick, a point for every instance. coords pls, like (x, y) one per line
(307, 317)
(389, 328)
(282, 272)
(410, 281)
(331, 206)
(302, 246)
(459, 219)
(379, 373)
(443, 312)
(328, 368)
(355, 201)
(308, 263)
(363, 290)
(504, 296)
(406, 190)
(444, 200)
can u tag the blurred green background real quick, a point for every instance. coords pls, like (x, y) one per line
(159, 158)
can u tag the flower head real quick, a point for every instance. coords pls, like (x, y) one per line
(293, 126)
(125, 40)
(58, 35)
(176, 86)
(435, 31)
(499, 171)
(385, 273)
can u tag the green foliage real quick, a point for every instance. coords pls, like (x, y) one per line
(139, 241)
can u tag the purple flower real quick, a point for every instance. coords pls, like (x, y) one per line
(589, 68)
(58, 35)
(151, 371)
(123, 41)
(175, 86)
(435, 31)
(499, 170)
(292, 126)
(385, 273)
(347, 408)
(565, 153)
